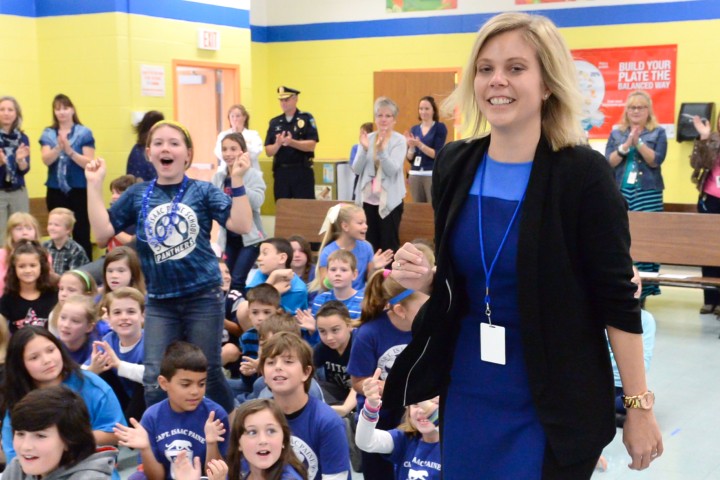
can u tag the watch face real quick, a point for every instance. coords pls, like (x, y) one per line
(647, 400)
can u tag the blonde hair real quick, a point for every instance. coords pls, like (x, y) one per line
(560, 115)
(91, 313)
(65, 212)
(332, 232)
(651, 123)
(19, 218)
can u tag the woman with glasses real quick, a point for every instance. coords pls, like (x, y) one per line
(636, 150)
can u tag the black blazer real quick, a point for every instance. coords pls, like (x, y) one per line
(574, 270)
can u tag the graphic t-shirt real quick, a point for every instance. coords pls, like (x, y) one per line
(332, 367)
(183, 263)
(20, 312)
(171, 432)
(319, 440)
(413, 458)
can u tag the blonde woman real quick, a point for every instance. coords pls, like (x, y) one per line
(636, 152)
(533, 265)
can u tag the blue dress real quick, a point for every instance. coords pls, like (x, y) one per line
(491, 429)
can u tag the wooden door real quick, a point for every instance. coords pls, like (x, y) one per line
(406, 88)
(203, 93)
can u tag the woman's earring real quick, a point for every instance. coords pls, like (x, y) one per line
(546, 96)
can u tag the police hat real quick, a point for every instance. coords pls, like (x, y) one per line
(286, 92)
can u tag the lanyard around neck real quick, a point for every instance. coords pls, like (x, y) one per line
(489, 271)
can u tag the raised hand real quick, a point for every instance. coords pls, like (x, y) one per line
(132, 437)
(240, 166)
(380, 259)
(217, 470)
(100, 361)
(184, 469)
(702, 125)
(214, 429)
(305, 319)
(363, 140)
(95, 172)
(372, 389)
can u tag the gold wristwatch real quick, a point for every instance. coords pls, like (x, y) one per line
(644, 401)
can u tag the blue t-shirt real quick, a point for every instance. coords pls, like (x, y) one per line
(413, 458)
(184, 264)
(353, 304)
(296, 297)
(171, 432)
(319, 439)
(376, 344)
(364, 254)
(80, 136)
(100, 400)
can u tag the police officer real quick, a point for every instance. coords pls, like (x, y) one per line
(291, 140)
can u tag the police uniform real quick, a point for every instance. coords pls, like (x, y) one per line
(292, 168)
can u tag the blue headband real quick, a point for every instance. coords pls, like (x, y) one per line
(400, 297)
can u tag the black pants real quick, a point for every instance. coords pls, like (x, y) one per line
(552, 470)
(294, 182)
(75, 200)
(383, 233)
(710, 204)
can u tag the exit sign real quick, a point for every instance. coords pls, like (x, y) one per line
(208, 39)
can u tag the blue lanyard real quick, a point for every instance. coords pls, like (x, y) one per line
(489, 271)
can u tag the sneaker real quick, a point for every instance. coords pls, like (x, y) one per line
(707, 308)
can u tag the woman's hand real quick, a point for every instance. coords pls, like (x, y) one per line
(65, 144)
(95, 172)
(702, 125)
(412, 270)
(22, 153)
(372, 389)
(634, 137)
(412, 140)
(380, 140)
(363, 140)
(642, 438)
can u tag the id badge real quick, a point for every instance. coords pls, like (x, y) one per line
(418, 161)
(632, 177)
(492, 343)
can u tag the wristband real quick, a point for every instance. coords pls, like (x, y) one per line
(236, 192)
(372, 409)
(640, 142)
(620, 151)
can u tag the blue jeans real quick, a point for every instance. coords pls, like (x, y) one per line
(197, 319)
(240, 261)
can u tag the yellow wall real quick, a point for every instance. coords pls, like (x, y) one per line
(336, 78)
(95, 60)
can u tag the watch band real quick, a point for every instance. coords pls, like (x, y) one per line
(643, 401)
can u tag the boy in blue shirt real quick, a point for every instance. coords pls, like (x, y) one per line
(186, 420)
(274, 269)
(318, 433)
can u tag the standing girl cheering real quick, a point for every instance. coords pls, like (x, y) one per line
(174, 216)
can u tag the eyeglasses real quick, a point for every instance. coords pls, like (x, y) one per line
(637, 108)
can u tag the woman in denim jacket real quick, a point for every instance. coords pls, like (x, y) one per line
(635, 151)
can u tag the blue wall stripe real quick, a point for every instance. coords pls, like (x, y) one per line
(566, 17)
(171, 9)
(22, 8)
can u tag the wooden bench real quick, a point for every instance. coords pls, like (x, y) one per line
(672, 238)
(305, 217)
(38, 209)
